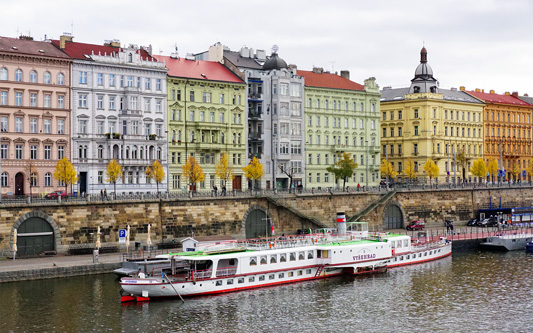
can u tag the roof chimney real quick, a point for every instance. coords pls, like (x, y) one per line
(63, 39)
(515, 94)
(477, 90)
(492, 91)
(345, 74)
(507, 93)
(526, 95)
(462, 88)
(318, 70)
(25, 37)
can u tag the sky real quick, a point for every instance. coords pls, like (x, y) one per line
(482, 44)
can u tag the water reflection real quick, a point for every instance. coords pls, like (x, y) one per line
(480, 291)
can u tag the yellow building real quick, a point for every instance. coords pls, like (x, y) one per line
(425, 122)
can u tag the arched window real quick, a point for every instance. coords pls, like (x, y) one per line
(60, 79)
(222, 137)
(130, 57)
(33, 76)
(100, 152)
(80, 151)
(174, 136)
(127, 152)
(34, 179)
(84, 151)
(4, 179)
(3, 73)
(47, 77)
(159, 153)
(142, 153)
(134, 152)
(18, 75)
(179, 135)
(48, 179)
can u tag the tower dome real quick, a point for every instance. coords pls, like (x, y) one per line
(275, 62)
(423, 81)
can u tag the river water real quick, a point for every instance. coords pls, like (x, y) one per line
(475, 291)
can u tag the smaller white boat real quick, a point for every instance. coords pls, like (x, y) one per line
(507, 241)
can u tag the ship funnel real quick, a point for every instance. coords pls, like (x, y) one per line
(341, 223)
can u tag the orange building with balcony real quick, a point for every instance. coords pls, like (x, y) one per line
(507, 131)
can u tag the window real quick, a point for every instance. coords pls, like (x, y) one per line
(158, 105)
(284, 89)
(18, 98)
(147, 84)
(100, 102)
(60, 152)
(82, 126)
(158, 84)
(19, 152)
(3, 151)
(206, 97)
(60, 101)
(82, 100)
(3, 97)
(48, 126)
(33, 125)
(4, 179)
(111, 80)
(82, 77)
(33, 76)
(47, 98)
(48, 179)
(18, 75)
(18, 124)
(3, 74)
(147, 105)
(191, 98)
(111, 102)
(100, 79)
(33, 152)
(416, 130)
(47, 152)
(61, 126)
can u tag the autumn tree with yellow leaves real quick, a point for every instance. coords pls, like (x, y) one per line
(113, 173)
(387, 170)
(224, 170)
(193, 172)
(410, 170)
(492, 168)
(478, 168)
(529, 168)
(431, 169)
(65, 173)
(514, 170)
(253, 171)
(156, 172)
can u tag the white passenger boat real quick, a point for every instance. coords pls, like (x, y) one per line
(239, 265)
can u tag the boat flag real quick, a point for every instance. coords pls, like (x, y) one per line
(271, 228)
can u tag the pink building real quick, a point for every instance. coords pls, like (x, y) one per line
(34, 114)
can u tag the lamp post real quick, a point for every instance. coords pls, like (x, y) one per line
(454, 168)
(168, 163)
(366, 164)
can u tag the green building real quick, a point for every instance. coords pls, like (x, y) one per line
(341, 116)
(206, 104)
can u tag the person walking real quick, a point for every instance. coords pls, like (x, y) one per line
(224, 190)
(105, 194)
(215, 190)
(101, 195)
(451, 227)
(447, 226)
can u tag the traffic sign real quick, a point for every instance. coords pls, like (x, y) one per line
(122, 236)
(524, 174)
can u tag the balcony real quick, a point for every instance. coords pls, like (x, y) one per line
(128, 112)
(339, 148)
(254, 114)
(255, 97)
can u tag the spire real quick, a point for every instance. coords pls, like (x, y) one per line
(423, 55)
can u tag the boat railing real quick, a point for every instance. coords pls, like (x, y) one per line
(202, 274)
(226, 271)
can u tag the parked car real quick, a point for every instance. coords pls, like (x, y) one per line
(489, 222)
(472, 222)
(56, 194)
(416, 225)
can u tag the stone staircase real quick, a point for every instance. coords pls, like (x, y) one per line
(296, 212)
(384, 198)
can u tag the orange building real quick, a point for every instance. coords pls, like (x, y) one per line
(507, 131)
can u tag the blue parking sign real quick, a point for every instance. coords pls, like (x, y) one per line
(524, 174)
(122, 236)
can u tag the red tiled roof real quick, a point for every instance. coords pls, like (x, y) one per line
(497, 98)
(328, 80)
(79, 50)
(25, 46)
(198, 69)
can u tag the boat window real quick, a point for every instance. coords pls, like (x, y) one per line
(251, 279)
(261, 278)
(219, 283)
(273, 258)
(291, 274)
(419, 255)
(401, 257)
(240, 280)
(281, 275)
(300, 273)
(408, 256)
(229, 281)
(425, 254)
(283, 257)
(430, 252)
(253, 261)
(405, 243)
(263, 260)
(310, 255)
(271, 277)
(393, 245)
(292, 256)
(439, 250)
(308, 271)
(301, 256)
(232, 262)
(399, 244)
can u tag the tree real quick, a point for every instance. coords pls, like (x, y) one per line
(223, 169)
(156, 172)
(409, 169)
(254, 170)
(530, 168)
(344, 168)
(33, 174)
(113, 173)
(492, 168)
(514, 171)
(193, 172)
(65, 173)
(289, 171)
(387, 170)
(431, 169)
(478, 168)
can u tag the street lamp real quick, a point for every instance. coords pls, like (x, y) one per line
(366, 143)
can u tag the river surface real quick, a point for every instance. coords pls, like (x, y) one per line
(475, 291)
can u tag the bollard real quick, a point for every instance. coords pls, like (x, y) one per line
(96, 256)
(59, 199)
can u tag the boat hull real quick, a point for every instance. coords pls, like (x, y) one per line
(507, 242)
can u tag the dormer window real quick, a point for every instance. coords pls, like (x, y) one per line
(416, 89)
(130, 57)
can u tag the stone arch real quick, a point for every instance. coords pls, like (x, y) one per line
(393, 216)
(43, 216)
(251, 225)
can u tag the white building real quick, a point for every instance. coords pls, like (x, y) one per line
(118, 112)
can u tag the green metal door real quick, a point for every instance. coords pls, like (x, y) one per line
(35, 236)
(257, 224)
(392, 217)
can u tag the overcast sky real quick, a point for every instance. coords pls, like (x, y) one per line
(483, 44)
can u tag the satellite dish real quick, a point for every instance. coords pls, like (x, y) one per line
(275, 48)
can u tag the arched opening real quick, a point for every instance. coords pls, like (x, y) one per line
(392, 217)
(257, 225)
(35, 236)
(19, 184)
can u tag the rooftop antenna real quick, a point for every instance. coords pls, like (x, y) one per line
(332, 66)
(176, 46)
(72, 27)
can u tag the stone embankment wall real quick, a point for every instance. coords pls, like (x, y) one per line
(76, 223)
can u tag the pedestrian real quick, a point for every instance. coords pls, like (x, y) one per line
(105, 194)
(447, 226)
(358, 187)
(224, 190)
(101, 195)
(215, 190)
(451, 227)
